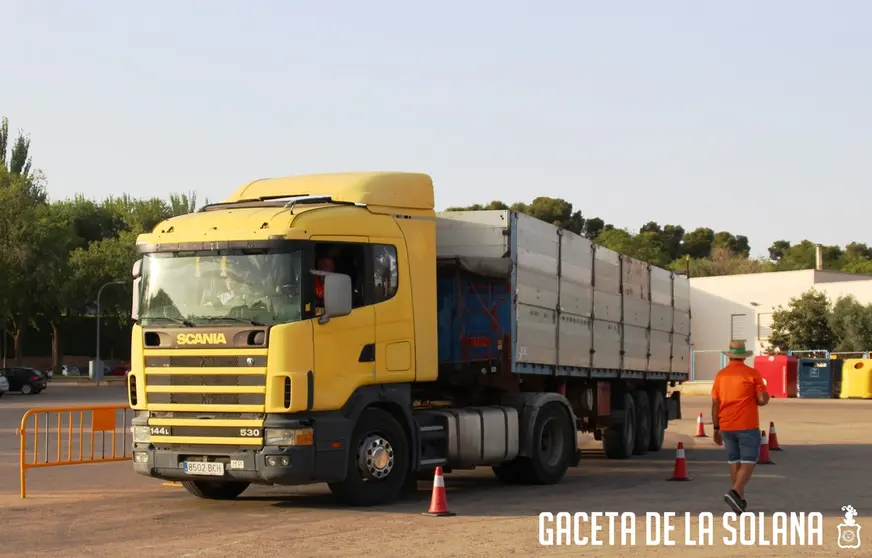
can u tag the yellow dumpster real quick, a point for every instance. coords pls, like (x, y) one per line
(857, 379)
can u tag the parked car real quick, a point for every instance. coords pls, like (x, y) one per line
(70, 370)
(25, 380)
(4, 386)
(120, 370)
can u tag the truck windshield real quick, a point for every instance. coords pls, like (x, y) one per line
(194, 289)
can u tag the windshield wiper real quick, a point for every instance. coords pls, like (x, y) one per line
(234, 318)
(186, 323)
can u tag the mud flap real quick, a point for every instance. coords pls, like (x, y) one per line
(673, 405)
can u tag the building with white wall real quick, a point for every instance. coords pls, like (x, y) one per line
(741, 306)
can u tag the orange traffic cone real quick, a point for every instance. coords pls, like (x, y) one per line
(680, 471)
(773, 438)
(700, 427)
(438, 502)
(764, 458)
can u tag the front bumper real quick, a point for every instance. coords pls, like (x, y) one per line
(326, 460)
(249, 466)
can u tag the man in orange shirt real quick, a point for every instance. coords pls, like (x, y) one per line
(737, 393)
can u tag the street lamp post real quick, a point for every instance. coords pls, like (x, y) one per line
(99, 361)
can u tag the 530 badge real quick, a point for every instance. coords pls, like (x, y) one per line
(249, 432)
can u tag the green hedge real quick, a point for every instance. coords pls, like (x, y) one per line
(79, 338)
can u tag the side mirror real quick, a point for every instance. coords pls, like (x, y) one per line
(337, 295)
(134, 309)
(137, 280)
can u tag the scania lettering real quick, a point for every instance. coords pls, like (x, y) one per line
(201, 339)
(334, 328)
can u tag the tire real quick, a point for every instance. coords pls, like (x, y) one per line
(26, 389)
(643, 422)
(554, 441)
(379, 431)
(658, 421)
(210, 490)
(620, 439)
(553, 445)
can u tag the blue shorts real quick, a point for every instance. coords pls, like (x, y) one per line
(743, 446)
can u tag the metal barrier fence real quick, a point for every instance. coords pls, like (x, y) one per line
(88, 434)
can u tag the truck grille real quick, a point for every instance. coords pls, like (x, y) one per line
(227, 393)
(183, 379)
(206, 361)
(207, 398)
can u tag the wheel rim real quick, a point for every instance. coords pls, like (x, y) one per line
(375, 457)
(551, 442)
(25, 389)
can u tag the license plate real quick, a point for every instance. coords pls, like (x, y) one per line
(201, 468)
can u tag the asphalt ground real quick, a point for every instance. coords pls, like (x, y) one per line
(107, 510)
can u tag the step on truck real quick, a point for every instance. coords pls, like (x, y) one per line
(335, 329)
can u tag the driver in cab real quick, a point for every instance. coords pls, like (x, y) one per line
(324, 263)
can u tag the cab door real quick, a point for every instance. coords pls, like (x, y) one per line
(394, 318)
(344, 347)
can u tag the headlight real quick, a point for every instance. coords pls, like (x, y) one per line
(288, 437)
(141, 435)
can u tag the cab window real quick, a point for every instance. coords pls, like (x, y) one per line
(385, 274)
(341, 257)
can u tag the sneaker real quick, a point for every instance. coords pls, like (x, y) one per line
(735, 502)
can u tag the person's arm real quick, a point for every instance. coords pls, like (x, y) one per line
(762, 393)
(716, 405)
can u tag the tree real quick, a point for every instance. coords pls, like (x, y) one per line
(26, 236)
(804, 324)
(698, 242)
(778, 249)
(851, 323)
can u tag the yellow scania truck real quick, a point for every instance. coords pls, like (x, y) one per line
(334, 328)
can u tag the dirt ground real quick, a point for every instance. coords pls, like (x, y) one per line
(106, 510)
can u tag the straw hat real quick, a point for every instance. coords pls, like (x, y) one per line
(738, 350)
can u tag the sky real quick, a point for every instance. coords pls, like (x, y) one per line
(752, 117)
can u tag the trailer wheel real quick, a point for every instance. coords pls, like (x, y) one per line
(620, 439)
(215, 490)
(643, 422)
(658, 421)
(378, 464)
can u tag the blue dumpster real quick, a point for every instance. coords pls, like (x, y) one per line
(818, 378)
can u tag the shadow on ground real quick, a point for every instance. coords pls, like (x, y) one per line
(638, 485)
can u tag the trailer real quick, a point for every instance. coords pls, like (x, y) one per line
(520, 297)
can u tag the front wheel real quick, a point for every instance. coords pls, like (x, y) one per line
(210, 490)
(26, 389)
(378, 463)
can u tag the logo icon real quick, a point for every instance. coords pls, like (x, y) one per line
(849, 531)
